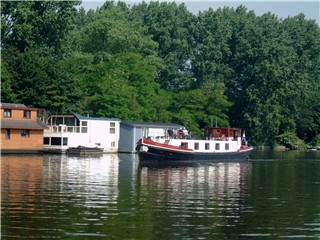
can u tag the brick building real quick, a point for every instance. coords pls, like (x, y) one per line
(21, 130)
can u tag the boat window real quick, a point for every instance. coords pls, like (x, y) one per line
(184, 145)
(227, 146)
(57, 120)
(196, 146)
(207, 146)
(84, 128)
(56, 141)
(46, 141)
(112, 128)
(65, 141)
(217, 146)
(69, 121)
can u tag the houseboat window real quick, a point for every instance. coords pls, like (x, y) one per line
(70, 129)
(46, 141)
(84, 128)
(207, 146)
(26, 114)
(113, 144)
(217, 146)
(196, 146)
(25, 133)
(65, 141)
(56, 141)
(57, 120)
(7, 113)
(112, 128)
(7, 134)
(69, 121)
(227, 146)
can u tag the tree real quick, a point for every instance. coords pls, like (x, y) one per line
(304, 35)
(196, 109)
(31, 39)
(128, 90)
(212, 49)
(171, 26)
(28, 24)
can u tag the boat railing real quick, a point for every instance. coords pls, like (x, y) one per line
(66, 129)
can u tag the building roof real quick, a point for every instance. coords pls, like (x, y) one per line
(18, 106)
(152, 125)
(80, 117)
(23, 124)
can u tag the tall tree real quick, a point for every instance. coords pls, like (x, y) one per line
(128, 90)
(212, 34)
(171, 26)
(31, 39)
(28, 24)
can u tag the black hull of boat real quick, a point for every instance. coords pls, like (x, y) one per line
(155, 154)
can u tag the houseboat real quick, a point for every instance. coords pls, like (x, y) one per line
(75, 131)
(219, 144)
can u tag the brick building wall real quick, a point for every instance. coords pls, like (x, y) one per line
(20, 128)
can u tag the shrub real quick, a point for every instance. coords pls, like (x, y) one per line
(291, 141)
(316, 141)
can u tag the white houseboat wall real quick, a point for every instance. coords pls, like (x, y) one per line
(71, 131)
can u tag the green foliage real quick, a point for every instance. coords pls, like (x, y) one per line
(126, 89)
(316, 141)
(7, 93)
(29, 24)
(195, 109)
(158, 62)
(171, 26)
(289, 140)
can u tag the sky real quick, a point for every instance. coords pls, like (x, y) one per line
(281, 8)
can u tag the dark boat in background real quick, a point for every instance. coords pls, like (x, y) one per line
(220, 144)
(83, 151)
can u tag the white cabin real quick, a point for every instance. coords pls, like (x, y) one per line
(66, 131)
(217, 140)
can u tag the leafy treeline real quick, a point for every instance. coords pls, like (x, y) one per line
(159, 62)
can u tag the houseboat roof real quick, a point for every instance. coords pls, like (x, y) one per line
(15, 106)
(152, 125)
(80, 117)
(23, 124)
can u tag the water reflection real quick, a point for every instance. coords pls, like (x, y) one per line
(116, 197)
(206, 196)
(91, 179)
(44, 195)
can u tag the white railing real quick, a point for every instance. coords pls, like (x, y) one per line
(66, 129)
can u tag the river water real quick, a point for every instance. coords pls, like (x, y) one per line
(274, 195)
